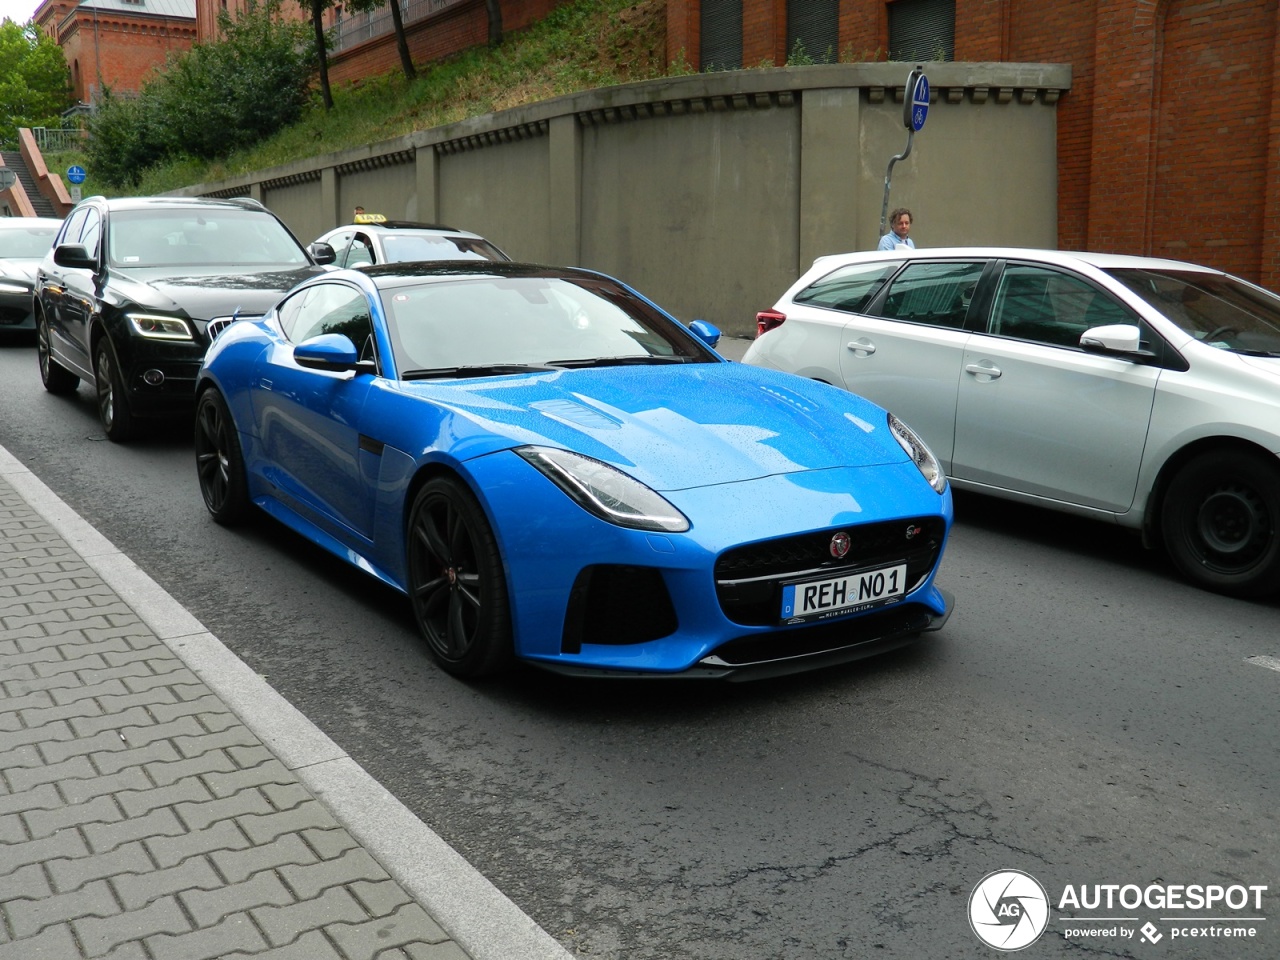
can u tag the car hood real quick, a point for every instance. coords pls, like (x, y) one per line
(18, 269)
(204, 294)
(672, 427)
(1268, 365)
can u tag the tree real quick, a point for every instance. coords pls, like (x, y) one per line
(317, 9)
(210, 100)
(35, 84)
(494, 9)
(397, 22)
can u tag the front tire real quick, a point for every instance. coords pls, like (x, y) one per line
(220, 461)
(1221, 522)
(456, 581)
(56, 378)
(113, 405)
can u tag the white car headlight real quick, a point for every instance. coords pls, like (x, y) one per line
(919, 453)
(159, 327)
(605, 491)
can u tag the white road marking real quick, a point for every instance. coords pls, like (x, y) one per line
(1271, 663)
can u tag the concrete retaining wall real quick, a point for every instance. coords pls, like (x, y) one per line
(711, 193)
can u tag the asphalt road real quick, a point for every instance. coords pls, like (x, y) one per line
(1085, 717)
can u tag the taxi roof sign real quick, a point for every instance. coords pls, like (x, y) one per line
(369, 218)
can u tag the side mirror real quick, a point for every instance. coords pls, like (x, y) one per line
(322, 253)
(75, 256)
(331, 351)
(1121, 339)
(706, 332)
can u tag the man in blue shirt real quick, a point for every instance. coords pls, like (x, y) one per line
(899, 227)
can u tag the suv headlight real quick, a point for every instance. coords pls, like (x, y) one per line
(158, 327)
(605, 491)
(919, 453)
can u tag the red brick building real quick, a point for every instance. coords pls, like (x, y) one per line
(1168, 142)
(116, 43)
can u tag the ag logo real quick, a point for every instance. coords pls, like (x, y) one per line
(1008, 910)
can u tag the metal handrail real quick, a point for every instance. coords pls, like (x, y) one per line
(356, 28)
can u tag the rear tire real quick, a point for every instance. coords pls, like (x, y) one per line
(456, 581)
(220, 461)
(113, 405)
(55, 377)
(1221, 522)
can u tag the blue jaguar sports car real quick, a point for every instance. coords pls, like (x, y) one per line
(553, 469)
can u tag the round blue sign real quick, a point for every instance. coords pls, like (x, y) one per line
(76, 174)
(920, 103)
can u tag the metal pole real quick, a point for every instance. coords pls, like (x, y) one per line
(888, 175)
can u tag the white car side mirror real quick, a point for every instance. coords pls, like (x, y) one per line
(1114, 338)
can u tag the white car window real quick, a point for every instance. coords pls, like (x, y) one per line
(1049, 306)
(933, 293)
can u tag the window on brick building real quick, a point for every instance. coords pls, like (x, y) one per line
(922, 30)
(813, 30)
(721, 35)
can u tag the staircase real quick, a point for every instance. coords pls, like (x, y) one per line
(13, 160)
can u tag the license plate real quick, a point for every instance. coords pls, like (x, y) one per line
(819, 599)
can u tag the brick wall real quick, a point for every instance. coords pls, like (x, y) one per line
(455, 28)
(119, 51)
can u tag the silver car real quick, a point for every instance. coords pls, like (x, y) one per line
(399, 241)
(23, 243)
(1140, 391)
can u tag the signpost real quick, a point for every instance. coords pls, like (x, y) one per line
(76, 174)
(915, 110)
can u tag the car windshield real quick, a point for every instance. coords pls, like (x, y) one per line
(405, 247)
(26, 243)
(492, 325)
(217, 237)
(1218, 310)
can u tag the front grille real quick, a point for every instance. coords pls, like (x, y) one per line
(13, 315)
(617, 604)
(903, 620)
(218, 324)
(749, 578)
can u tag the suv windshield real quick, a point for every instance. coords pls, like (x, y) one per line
(1218, 310)
(218, 237)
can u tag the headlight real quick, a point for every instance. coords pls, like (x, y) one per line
(919, 453)
(9, 287)
(604, 491)
(160, 328)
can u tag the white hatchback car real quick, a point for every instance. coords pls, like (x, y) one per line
(1141, 391)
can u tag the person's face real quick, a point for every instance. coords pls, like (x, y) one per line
(902, 226)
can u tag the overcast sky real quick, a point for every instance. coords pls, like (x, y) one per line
(19, 11)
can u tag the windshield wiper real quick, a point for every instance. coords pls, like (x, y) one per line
(1258, 353)
(619, 361)
(474, 370)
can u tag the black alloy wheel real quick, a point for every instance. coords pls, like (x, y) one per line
(1221, 522)
(55, 377)
(220, 461)
(456, 581)
(113, 405)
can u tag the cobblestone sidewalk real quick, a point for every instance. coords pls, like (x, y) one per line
(139, 818)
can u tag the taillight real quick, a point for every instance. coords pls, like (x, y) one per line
(767, 320)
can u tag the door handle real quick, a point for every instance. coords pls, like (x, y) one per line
(863, 347)
(983, 370)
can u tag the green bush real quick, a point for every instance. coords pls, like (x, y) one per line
(210, 101)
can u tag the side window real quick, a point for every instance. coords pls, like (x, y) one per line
(70, 232)
(361, 251)
(937, 294)
(1051, 307)
(339, 243)
(332, 308)
(92, 231)
(849, 288)
(288, 311)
